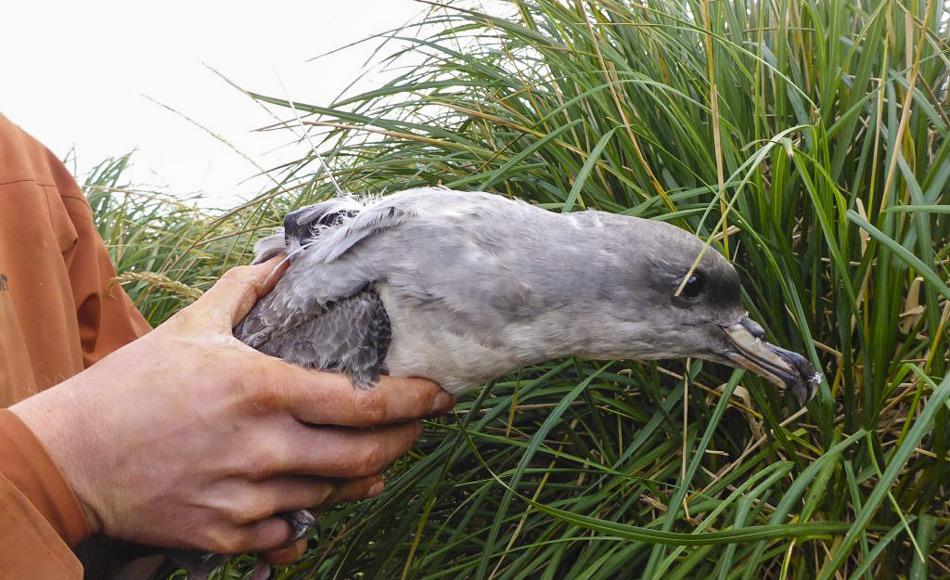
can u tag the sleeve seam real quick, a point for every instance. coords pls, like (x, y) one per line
(26, 180)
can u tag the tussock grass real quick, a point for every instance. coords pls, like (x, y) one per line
(807, 140)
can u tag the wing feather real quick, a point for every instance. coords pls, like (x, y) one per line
(337, 241)
(324, 314)
(351, 335)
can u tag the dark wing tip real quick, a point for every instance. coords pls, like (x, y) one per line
(302, 224)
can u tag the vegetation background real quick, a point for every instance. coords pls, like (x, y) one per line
(807, 138)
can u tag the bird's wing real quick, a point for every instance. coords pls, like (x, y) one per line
(336, 241)
(351, 335)
(323, 313)
(318, 274)
(304, 225)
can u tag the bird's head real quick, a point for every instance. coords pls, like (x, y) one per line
(676, 307)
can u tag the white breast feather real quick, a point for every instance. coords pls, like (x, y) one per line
(425, 348)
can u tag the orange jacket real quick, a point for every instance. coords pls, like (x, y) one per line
(59, 313)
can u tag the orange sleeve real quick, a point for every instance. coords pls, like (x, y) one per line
(59, 313)
(38, 510)
(107, 318)
(26, 465)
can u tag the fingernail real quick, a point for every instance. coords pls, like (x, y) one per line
(376, 489)
(442, 403)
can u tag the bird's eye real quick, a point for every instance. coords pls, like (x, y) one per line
(694, 286)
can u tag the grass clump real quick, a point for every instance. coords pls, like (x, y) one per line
(807, 139)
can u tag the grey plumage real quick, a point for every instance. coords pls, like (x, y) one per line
(350, 335)
(474, 285)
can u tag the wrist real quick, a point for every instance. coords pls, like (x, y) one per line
(54, 454)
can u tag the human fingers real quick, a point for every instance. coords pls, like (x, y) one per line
(249, 503)
(333, 451)
(267, 534)
(322, 398)
(295, 492)
(270, 534)
(355, 489)
(287, 554)
(344, 490)
(236, 292)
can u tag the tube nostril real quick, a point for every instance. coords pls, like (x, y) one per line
(753, 327)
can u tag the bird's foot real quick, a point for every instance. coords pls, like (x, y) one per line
(301, 523)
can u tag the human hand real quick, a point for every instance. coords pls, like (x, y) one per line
(189, 438)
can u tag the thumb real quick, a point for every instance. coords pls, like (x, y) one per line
(236, 292)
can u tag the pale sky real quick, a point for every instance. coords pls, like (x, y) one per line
(78, 74)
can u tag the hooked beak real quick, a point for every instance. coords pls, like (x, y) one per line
(788, 370)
